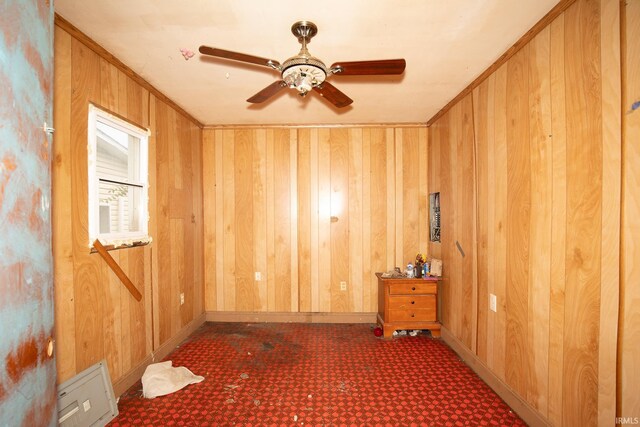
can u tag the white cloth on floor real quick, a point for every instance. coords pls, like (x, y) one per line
(160, 379)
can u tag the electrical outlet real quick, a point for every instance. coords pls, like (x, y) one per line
(343, 286)
(493, 303)
(258, 276)
(182, 298)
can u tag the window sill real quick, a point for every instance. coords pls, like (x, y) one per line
(122, 246)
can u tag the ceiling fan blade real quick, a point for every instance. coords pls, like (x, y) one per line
(370, 68)
(237, 56)
(333, 95)
(267, 92)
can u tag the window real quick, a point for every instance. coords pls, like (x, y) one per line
(118, 180)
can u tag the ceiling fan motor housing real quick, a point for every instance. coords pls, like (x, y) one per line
(303, 72)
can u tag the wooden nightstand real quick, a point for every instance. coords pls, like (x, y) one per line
(408, 304)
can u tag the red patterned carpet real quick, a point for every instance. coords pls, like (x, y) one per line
(317, 374)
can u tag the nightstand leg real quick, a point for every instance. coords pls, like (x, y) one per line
(435, 333)
(388, 333)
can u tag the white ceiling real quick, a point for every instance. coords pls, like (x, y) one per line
(446, 43)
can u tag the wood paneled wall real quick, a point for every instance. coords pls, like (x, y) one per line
(629, 339)
(543, 132)
(96, 317)
(309, 208)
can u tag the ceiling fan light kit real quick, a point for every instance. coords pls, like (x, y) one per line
(304, 72)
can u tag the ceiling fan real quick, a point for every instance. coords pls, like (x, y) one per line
(304, 72)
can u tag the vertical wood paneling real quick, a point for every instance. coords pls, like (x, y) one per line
(611, 189)
(494, 341)
(137, 319)
(324, 220)
(228, 220)
(390, 202)
(109, 76)
(136, 333)
(271, 246)
(466, 219)
(162, 241)
(135, 101)
(558, 221)
(369, 304)
(243, 200)
(154, 215)
(259, 215)
(379, 162)
(177, 237)
(176, 233)
(179, 242)
(318, 214)
(449, 223)
(454, 139)
(147, 259)
(452, 253)
(410, 192)
(61, 212)
(107, 323)
(423, 190)
(282, 220)
(85, 67)
(293, 222)
(192, 198)
(219, 222)
(120, 97)
(433, 147)
(112, 322)
(518, 222)
(540, 231)
(314, 222)
(398, 144)
(480, 111)
(447, 234)
(354, 202)
(209, 209)
(629, 371)
(339, 152)
(304, 219)
(547, 132)
(500, 220)
(584, 212)
(197, 217)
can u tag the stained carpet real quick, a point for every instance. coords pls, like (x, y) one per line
(317, 374)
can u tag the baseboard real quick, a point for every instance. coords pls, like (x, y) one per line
(131, 377)
(282, 317)
(527, 412)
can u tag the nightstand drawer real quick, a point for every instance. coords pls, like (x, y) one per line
(422, 315)
(412, 302)
(412, 288)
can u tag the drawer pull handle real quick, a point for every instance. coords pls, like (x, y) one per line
(413, 302)
(413, 315)
(413, 289)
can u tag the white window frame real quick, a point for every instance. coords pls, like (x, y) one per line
(118, 238)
